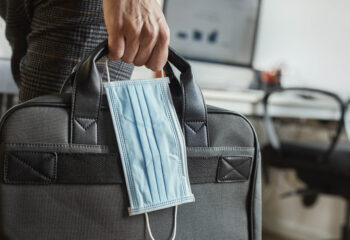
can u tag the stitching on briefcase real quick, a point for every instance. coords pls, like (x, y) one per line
(46, 179)
(238, 176)
(78, 120)
(192, 128)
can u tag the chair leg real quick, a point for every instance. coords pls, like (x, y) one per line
(346, 227)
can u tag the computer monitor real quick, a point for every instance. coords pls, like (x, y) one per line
(220, 31)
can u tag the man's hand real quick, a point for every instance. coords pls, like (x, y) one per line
(137, 32)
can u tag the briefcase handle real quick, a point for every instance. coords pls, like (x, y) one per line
(87, 97)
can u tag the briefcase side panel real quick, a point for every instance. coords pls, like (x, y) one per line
(48, 123)
(36, 124)
(230, 128)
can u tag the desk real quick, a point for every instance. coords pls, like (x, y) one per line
(249, 103)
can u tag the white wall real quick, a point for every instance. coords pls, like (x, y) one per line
(5, 49)
(311, 38)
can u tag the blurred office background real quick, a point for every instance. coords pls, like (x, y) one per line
(297, 44)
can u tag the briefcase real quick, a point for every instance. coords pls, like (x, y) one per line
(62, 176)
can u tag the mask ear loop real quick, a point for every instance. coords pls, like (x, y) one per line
(107, 70)
(173, 235)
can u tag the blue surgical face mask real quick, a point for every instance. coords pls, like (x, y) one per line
(151, 144)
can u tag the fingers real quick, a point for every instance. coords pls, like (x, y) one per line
(148, 46)
(148, 40)
(132, 31)
(137, 32)
(159, 54)
(113, 21)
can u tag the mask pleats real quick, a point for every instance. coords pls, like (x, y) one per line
(151, 125)
(146, 156)
(152, 162)
(166, 140)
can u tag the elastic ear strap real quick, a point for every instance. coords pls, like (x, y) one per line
(148, 227)
(173, 235)
(107, 70)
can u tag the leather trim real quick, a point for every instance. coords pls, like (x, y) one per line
(195, 126)
(233, 168)
(30, 167)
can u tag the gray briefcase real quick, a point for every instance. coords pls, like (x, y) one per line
(62, 177)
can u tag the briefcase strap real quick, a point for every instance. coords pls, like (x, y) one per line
(87, 97)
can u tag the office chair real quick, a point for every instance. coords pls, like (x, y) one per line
(346, 229)
(323, 167)
(347, 119)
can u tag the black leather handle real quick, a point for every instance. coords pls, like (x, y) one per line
(87, 95)
(86, 99)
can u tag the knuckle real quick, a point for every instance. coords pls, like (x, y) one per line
(164, 35)
(131, 35)
(151, 32)
(134, 29)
